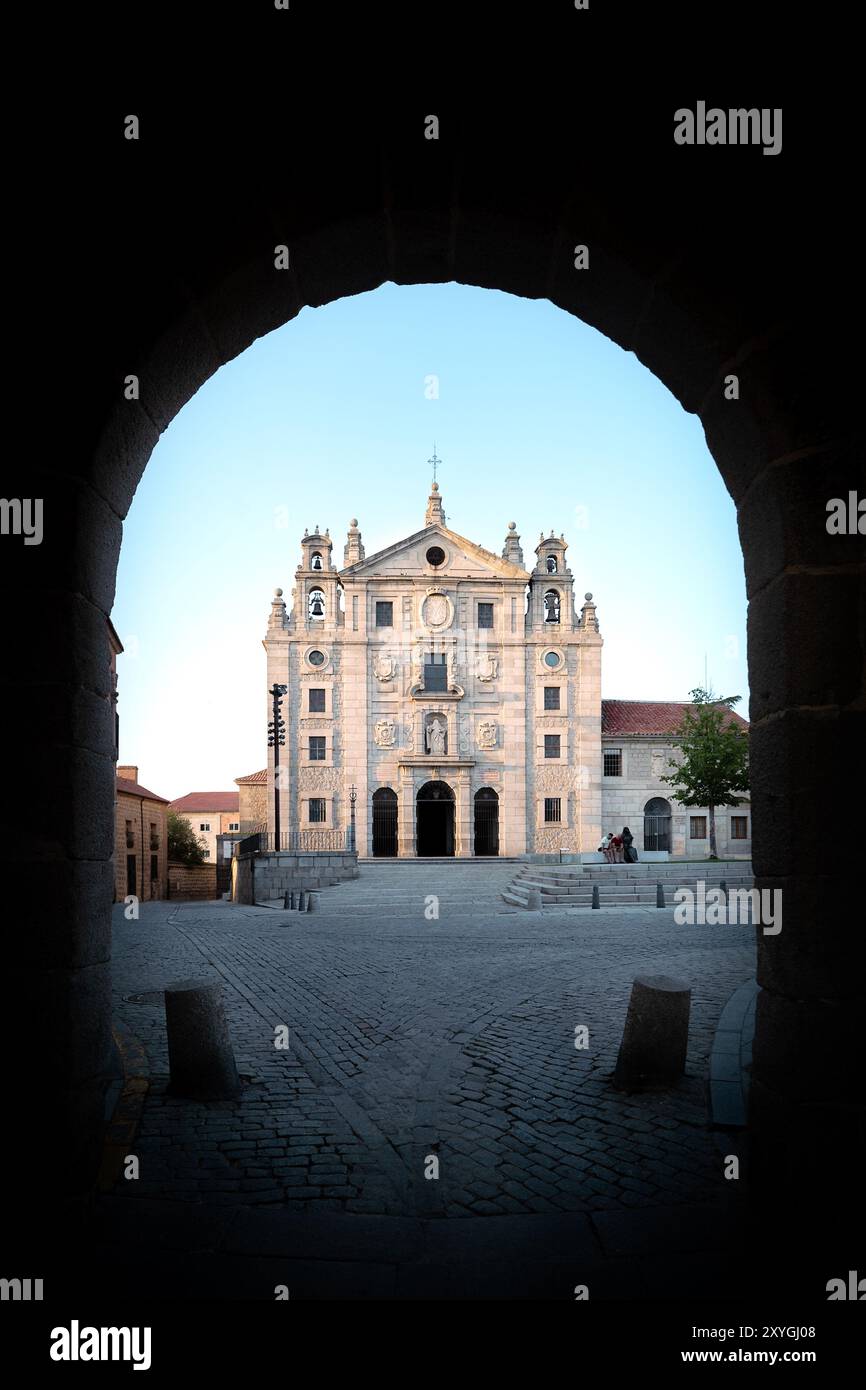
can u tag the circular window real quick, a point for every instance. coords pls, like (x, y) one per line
(316, 658)
(435, 555)
(551, 659)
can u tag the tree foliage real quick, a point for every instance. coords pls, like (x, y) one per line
(184, 846)
(713, 767)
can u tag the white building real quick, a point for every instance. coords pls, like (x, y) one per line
(459, 694)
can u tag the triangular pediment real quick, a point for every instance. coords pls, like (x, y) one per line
(405, 558)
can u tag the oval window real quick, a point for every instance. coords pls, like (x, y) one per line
(435, 555)
(551, 659)
(316, 658)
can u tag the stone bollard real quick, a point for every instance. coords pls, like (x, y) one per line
(292, 900)
(286, 902)
(656, 1033)
(312, 902)
(302, 906)
(660, 895)
(533, 902)
(724, 889)
(596, 900)
(200, 1056)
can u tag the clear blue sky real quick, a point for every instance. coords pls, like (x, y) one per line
(539, 420)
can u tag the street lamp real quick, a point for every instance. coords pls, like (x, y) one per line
(277, 740)
(353, 797)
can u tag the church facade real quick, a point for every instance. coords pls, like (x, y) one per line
(447, 696)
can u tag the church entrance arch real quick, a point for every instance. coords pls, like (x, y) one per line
(384, 823)
(435, 820)
(486, 822)
(657, 824)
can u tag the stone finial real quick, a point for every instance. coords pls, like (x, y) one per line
(434, 515)
(353, 550)
(588, 616)
(512, 550)
(277, 619)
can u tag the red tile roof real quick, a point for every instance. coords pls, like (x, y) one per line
(650, 717)
(136, 789)
(207, 801)
(254, 779)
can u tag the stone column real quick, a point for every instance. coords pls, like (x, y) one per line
(463, 809)
(406, 815)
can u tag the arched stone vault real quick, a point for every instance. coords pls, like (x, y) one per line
(697, 270)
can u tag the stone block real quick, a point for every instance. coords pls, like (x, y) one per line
(200, 1052)
(655, 1037)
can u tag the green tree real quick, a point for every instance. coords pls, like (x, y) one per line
(184, 846)
(713, 766)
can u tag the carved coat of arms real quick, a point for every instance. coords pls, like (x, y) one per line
(385, 733)
(488, 667)
(384, 667)
(487, 734)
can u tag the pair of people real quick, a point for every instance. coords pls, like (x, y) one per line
(617, 849)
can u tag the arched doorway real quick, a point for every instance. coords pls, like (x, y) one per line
(486, 822)
(657, 824)
(384, 823)
(435, 820)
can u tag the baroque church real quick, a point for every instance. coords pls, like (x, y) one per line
(446, 701)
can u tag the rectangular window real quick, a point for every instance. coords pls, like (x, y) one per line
(154, 838)
(739, 827)
(552, 809)
(206, 853)
(613, 762)
(317, 748)
(551, 697)
(435, 672)
(317, 702)
(697, 827)
(205, 825)
(384, 613)
(317, 810)
(234, 825)
(485, 615)
(551, 745)
(129, 837)
(154, 866)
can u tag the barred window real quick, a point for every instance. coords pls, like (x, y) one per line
(551, 745)
(435, 672)
(551, 697)
(317, 748)
(317, 809)
(552, 809)
(485, 615)
(697, 827)
(317, 702)
(384, 613)
(739, 827)
(613, 762)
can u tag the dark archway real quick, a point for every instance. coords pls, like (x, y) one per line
(709, 285)
(486, 840)
(434, 826)
(657, 824)
(384, 823)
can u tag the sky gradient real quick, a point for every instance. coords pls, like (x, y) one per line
(538, 419)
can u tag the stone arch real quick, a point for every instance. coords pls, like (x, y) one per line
(691, 296)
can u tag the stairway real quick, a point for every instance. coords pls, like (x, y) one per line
(395, 887)
(620, 885)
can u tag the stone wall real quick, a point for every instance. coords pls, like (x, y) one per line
(258, 877)
(192, 881)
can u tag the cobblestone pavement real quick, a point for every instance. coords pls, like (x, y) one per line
(411, 1038)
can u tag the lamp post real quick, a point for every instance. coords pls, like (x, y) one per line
(353, 797)
(277, 740)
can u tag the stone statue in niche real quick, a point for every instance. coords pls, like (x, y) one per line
(437, 737)
(385, 733)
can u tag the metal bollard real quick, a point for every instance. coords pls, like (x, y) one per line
(596, 899)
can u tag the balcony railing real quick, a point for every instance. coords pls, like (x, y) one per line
(297, 841)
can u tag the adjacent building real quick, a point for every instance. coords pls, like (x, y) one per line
(210, 814)
(140, 839)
